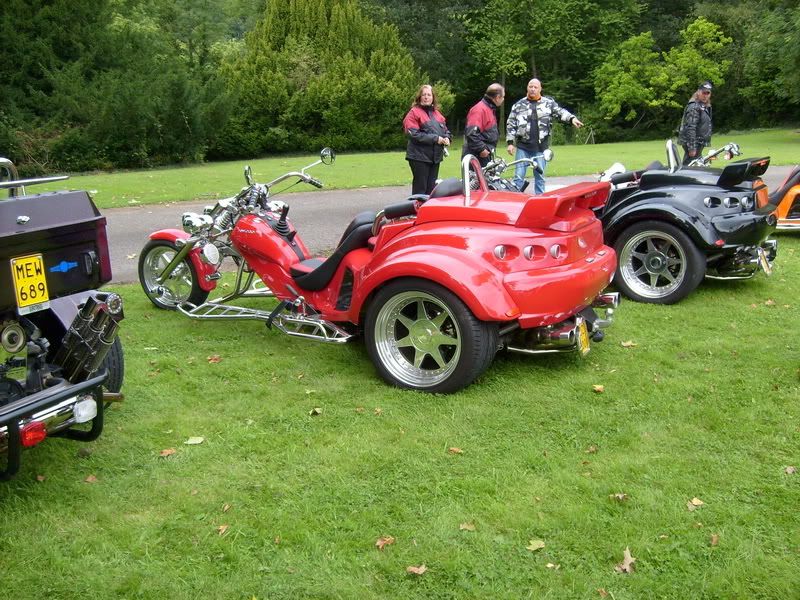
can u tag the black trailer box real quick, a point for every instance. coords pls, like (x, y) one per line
(51, 245)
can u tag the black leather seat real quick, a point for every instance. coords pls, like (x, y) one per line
(313, 274)
(451, 186)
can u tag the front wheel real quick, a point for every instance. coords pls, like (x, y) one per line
(181, 286)
(421, 336)
(658, 263)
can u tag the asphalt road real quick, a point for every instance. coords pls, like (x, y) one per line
(320, 217)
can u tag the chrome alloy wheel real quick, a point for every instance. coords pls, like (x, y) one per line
(417, 339)
(178, 286)
(653, 264)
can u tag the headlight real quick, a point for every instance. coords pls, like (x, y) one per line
(210, 254)
(748, 203)
(192, 222)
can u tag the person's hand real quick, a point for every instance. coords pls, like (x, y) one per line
(510, 149)
(484, 153)
(443, 141)
(577, 123)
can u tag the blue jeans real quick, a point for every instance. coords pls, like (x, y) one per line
(519, 170)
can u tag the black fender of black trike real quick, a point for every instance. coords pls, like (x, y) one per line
(715, 217)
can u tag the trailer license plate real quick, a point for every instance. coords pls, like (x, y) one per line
(583, 339)
(30, 283)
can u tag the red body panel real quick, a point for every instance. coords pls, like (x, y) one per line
(203, 270)
(553, 264)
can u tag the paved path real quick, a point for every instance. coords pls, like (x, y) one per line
(320, 216)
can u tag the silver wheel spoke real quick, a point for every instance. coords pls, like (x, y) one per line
(419, 356)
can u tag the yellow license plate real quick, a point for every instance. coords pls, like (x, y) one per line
(583, 339)
(30, 283)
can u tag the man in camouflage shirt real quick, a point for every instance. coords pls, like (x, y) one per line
(528, 131)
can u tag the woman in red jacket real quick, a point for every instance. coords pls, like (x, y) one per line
(428, 138)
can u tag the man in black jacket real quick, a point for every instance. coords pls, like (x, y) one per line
(481, 132)
(695, 131)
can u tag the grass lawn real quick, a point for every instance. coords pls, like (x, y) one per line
(222, 179)
(504, 490)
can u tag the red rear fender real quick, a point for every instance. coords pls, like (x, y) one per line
(475, 282)
(203, 270)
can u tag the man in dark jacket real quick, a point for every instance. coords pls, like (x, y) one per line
(695, 131)
(481, 132)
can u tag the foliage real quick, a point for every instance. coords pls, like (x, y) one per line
(318, 73)
(637, 83)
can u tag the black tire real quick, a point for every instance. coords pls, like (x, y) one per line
(657, 263)
(180, 287)
(114, 362)
(402, 324)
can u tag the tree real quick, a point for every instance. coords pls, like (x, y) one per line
(636, 83)
(318, 72)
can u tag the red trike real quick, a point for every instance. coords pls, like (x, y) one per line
(437, 285)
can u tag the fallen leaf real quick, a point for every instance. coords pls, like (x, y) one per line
(694, 504)
(714, 539)
(619, 496)
(467, 527)
(603, 593)
(417, 570)
(301, 375)
(131, 256)
(384, 541)
(193, 441)
(309, 392)
(167, 452)
(626, 566)
(534, 545)
(629, 344)
(222, 529)
(315, 411)
(455, 450)
(698, 525)
(598, 389)
(40, 478)
(226, 507)
(378, 411)
(214, 358)
(91, 479)
(769, 303)
(663, 536)
(552, 566)
(790, 470)
(591, 449)
(359, 409)
(277, 539)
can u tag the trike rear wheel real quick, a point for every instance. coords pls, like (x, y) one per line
(421, 336)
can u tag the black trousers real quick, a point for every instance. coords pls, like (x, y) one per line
(686, 158)
(424, 176)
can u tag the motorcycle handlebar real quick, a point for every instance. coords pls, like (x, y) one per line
(315, 182)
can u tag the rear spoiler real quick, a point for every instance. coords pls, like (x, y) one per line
(554, 210)
(743, 170)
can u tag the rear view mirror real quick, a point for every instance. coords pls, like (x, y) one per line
(327, 156)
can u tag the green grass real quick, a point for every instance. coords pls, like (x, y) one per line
(215, 180)
(704, 405)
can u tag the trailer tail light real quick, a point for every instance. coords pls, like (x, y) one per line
(32, 433)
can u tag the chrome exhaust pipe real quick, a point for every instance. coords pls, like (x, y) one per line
(90, 336)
